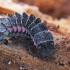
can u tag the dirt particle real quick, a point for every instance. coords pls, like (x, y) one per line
(22, 67)
(9, 62)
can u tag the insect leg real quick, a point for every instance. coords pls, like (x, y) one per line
(5, 41)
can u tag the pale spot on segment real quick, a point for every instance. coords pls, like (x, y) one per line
(23, 29)
(10, 28)
(15, 28)
(19, 28)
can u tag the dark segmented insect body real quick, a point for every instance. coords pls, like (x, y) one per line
(30, 26)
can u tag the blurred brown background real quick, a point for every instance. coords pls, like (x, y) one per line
(55, 8)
